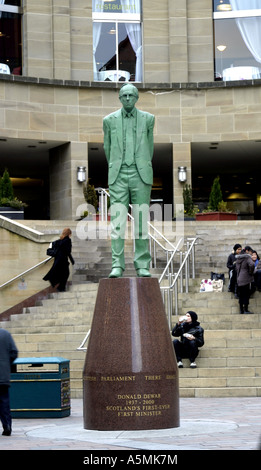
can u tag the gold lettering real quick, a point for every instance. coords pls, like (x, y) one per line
(113, 378)
(153, 377)
(164, 407)
(125, 414)
(148, 413)
(129, 397)
(151, 396)
(90, 378)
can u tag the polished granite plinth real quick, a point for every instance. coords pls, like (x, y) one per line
(130, 377)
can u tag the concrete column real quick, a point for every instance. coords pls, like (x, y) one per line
(61, 39)
(178, 41)
(66, 193)
(37, 39)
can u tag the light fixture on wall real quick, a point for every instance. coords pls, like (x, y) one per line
(221, 48)
(182, 174)
(224, 6)
(81, 174)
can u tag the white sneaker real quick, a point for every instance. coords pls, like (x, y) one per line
(193, 365)
(180, 364)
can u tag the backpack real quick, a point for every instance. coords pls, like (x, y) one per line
(53, 248)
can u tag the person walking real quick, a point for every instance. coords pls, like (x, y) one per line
(59, 272)
(8, 353)
(192, 338)
(245, 267)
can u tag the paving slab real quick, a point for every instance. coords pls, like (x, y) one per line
(205, 424)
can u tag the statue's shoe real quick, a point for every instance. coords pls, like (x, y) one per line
(142, 272)
(116, 272)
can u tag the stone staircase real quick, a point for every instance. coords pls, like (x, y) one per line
(229, 364)
(56, 326)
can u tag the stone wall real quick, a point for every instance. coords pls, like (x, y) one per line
(72, 114)
(177, 40)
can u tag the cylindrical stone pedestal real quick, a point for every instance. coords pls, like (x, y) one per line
(130, 377)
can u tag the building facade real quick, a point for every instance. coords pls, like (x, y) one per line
(195, 63)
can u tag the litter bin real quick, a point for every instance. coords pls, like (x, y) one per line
(40, 387)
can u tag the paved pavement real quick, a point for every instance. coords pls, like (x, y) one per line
(205, 424)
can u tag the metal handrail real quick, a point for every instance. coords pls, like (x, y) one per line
(168, 270)
(81, 347)
(172, 288)
(104, 213)
(103, 199)
(169, 263)
(25, 272)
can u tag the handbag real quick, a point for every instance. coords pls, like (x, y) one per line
(53, 248)
(217, 285)
(206, 285)
(217, 277)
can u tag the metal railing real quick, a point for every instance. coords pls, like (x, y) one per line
(186, 263)
(177, 279)
(25, 272)
(155, 244)
(82, 347)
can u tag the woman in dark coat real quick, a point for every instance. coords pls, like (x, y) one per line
(245, 267)
(192, 338)
(59, 271)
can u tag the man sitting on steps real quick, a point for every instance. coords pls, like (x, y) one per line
(192, 338)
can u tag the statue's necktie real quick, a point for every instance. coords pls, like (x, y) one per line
(129, 150)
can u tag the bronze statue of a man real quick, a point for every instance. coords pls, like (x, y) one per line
(128, 146)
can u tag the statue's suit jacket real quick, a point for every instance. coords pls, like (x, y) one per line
(113, 144)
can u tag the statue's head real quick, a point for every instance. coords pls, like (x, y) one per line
(128, 96)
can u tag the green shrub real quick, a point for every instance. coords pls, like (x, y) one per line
(215, 197)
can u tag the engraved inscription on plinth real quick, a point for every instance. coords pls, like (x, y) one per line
(130, 377)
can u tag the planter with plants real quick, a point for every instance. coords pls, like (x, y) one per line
(91, 198)
(190, 209)
(10, 206)
(217, 208)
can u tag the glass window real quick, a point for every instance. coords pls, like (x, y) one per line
(11, 2)
(10, 37)
(237, 39)
(117, 40)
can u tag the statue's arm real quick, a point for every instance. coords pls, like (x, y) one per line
(107, 139)
(150, 134)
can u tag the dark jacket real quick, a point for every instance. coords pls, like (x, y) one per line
(245, 267)
(193, 328)
(8, 353)
(59, 271)
(231, 261)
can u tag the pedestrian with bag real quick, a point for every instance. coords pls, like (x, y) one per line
(59, 272)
